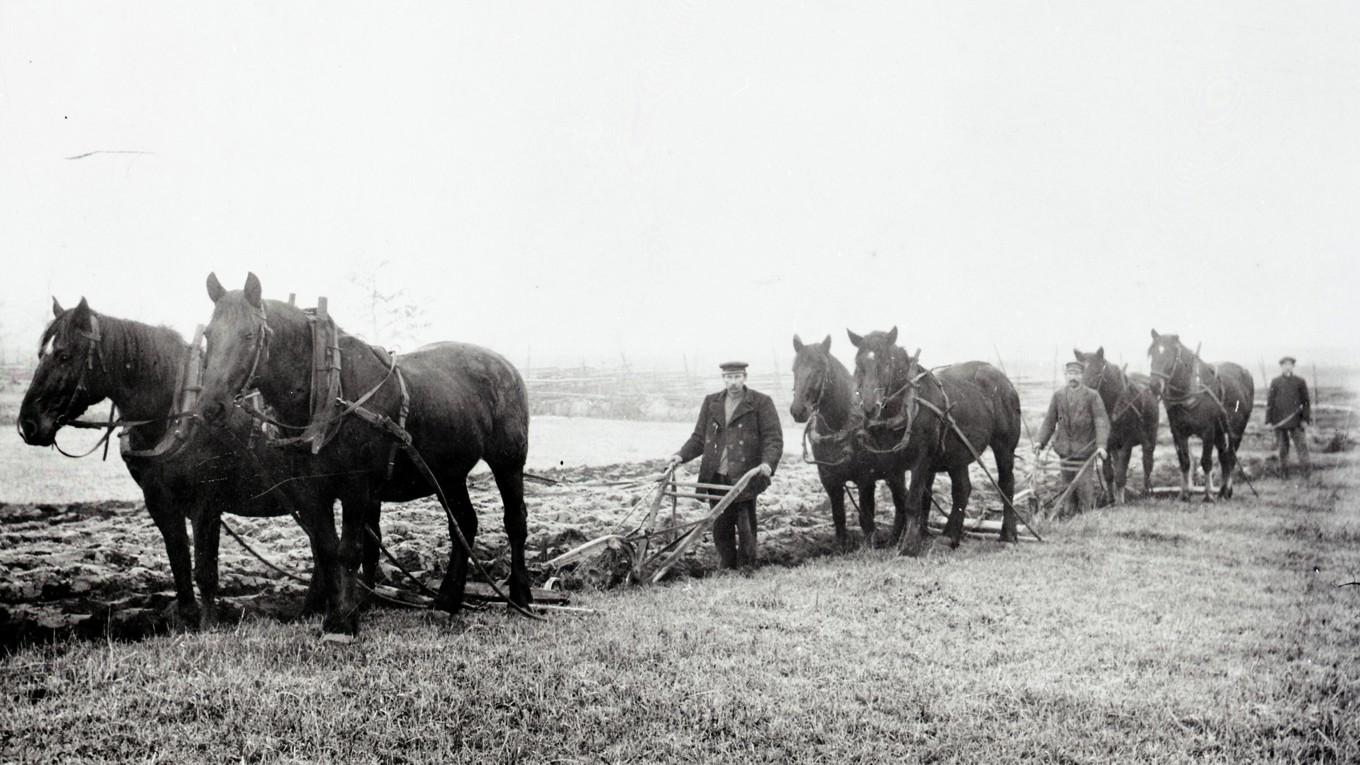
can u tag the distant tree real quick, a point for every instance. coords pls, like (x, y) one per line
(394, 318)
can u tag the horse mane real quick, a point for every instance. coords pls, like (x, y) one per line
(138, 350)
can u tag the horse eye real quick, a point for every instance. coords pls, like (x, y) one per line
(64, 355)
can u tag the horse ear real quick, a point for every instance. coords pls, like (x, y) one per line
(1100, 353)
(81, 318)
(1155, 335)
(797, 343)
(253, 289)
(916, 359)
(215, 288)
(892, 335)
(855, 340)
(56, 307)
(826, 344)
(1078, 354)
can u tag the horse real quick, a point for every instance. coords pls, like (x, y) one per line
(460, 404)
(1134, 417)
(984, 407)
(823, 397)
(87, 357)
(1210, 401)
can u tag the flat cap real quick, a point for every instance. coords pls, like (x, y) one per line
(733, 366)
(1077, 365)
(1290, 359)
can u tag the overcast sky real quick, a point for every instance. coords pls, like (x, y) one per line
(584, 180)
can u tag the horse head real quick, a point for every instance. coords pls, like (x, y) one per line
(882, 370)
(238, 340)
(813, 368)
(70, 376)
(1096, 367)
(1169, 360)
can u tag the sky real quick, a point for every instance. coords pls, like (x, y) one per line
(682, 183)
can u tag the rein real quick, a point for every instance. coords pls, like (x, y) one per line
(326, 422)
(836, 439)
(186, 394)
(905, 420)
(1129, 405)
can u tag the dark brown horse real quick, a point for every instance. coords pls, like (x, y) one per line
(824, 396)
(465, 404)
(1210, 401)
(87, 357)
(912, 403)
(1134, 417)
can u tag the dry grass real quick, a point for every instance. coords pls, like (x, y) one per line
(1157, 632)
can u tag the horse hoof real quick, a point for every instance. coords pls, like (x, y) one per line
(339, 625)
(911, 547)
(1208, 499)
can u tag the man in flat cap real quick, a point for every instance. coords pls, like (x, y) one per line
(1288, 411)
(738, 429)
(1079, 427)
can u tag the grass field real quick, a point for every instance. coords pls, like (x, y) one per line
(1158, 631)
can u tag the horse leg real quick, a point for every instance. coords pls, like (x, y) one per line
(164, 513)
(206, 519)
(341, 609)
(1206, 461)
(912, 537)
(835, 496)
(1005, 478)
(867, 524)
(1227, 459)
(1122, 455)
(455, 578)
(897, 485)
(927, 503)
(960, 489)
(317, 590)
(510, 481)
(1182, 442)
(371, 543)
(1149, 449)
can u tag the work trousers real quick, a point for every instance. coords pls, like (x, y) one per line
(734, 532)
(1083, 497)
(1299, 435)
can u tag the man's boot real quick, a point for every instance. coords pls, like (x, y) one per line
(746, 538)
(724, 538)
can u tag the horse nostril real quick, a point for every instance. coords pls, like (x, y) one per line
(27, 427)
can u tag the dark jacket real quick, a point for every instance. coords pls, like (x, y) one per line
(752, 437)
(1288, 394)
(1076, 416)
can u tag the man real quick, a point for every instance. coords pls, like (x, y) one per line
(1288, 411)
(1077, 417)
(738, 429)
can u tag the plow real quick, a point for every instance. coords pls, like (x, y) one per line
(653, 546)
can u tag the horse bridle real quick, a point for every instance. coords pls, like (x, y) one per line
(1131, 404)
(1175, 364)
(262, 335)
(93, 355)
(908, 385)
